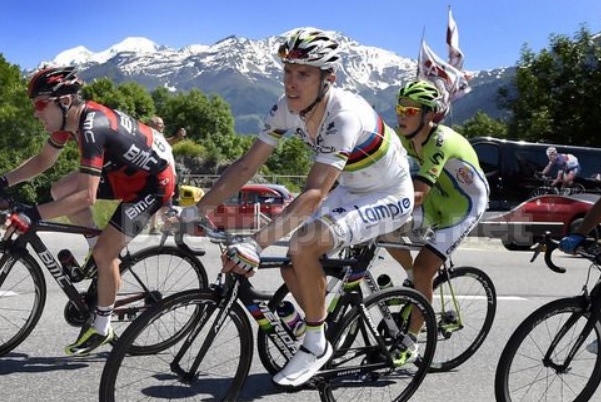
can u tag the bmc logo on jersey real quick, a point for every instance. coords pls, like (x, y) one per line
(384, 211)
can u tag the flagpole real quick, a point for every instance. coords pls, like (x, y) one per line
(419, 51)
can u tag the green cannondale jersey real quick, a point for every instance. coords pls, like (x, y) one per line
(448, 164)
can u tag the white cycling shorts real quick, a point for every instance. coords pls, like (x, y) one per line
(354, 218)
(445, 240)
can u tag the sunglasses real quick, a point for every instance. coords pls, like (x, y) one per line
(403, 111)
(41, 104)
(283, 53)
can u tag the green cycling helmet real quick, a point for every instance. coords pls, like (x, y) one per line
(424, 93)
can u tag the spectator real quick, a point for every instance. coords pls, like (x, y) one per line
(157, 123)
(567, 165)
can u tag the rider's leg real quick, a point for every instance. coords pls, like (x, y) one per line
(404, 258)
(308, 281)
(106, 253)
(425, 266)
(568, 178)
(66, 186)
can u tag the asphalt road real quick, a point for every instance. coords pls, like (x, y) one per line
(38, 371)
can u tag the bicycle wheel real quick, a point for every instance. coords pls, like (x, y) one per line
(543, 190)
(524, 374)
(389, 383)
(148, 276)
(465, 304)
(222, 370)
(22, 300)
(577, 188)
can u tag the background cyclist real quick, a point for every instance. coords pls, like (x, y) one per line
(352, 145)
(451, 191)
(568, 168)
(121, 158)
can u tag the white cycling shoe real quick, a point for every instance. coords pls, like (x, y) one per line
(302, 367)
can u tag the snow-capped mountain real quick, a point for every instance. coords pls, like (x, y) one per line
(248, 74)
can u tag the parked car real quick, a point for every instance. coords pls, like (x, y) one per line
(525, 224)
(511, 167)
(251, 205)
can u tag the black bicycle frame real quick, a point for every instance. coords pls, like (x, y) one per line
(593, 304)
(237, 287)
(14, 248)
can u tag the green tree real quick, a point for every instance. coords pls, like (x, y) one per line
(21, 134)
(291, 157)
(555, 94)
(482, 124)
(129, 97)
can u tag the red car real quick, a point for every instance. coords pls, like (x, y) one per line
(524, 225)
(251, 207)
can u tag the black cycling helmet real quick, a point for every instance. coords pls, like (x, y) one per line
(54, 81)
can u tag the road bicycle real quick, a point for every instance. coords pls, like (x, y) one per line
(548, 356)
(147, 276)
(212, 360)
(465, 304)
(547, 189)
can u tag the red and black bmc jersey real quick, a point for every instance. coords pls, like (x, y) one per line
(118, 147)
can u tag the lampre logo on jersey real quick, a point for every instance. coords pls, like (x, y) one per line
(383, 211)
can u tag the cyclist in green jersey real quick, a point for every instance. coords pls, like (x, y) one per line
(451, 191)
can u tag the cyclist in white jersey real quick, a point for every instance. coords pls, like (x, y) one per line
(352, 145)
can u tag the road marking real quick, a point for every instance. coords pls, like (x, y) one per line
(499, 298)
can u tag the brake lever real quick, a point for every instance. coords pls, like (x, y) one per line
(540, 247)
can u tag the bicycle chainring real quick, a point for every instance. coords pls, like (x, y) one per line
(74, 316)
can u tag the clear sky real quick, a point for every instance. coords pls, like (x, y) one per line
(491, 32)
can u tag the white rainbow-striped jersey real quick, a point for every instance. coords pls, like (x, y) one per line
(352, 137)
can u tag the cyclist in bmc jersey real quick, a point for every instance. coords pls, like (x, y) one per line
(352, 145)
(121, 159)
(451, 191)
(568, 167)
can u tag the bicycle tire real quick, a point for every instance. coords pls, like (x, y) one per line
(157, 272)
(21, 300)
(377, 385)
(543, 190)
(526, 347)
(577, 188)
(152, 376)
(461, 333)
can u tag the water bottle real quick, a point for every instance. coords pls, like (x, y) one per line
(70, 266)
(291, 317)
(384, 281)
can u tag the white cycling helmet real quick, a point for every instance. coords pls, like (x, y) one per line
(311, 47)
(551, 151)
